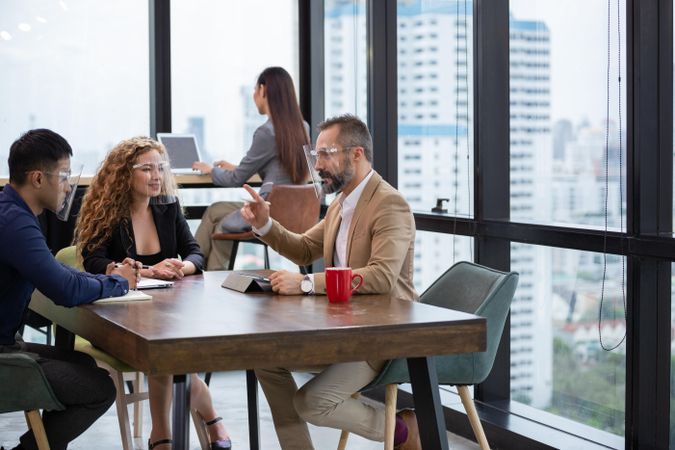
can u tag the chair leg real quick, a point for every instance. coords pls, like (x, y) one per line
(202, 432)
(34, 421)
(233, 255)
(121, 406)
(342, 444)
(391, 393)
(138, 406)
(470, 408)
(267, 257)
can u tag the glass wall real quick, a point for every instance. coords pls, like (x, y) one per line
(437, 252)
(435, 104)
(77, 67)
(561, 314)
(218, 49)
(345, 53)
(568, 127)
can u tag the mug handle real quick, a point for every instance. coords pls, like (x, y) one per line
(360, 277)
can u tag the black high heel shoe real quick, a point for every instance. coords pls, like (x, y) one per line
(158, 443)
(221, 444)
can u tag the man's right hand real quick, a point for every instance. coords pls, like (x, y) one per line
(128, 269)
(257, 211)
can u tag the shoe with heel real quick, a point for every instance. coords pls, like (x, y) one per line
(158, 443)
(220, 444)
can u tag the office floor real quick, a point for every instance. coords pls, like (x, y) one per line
(229, 393)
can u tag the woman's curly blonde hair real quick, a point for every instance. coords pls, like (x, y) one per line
(106, 203)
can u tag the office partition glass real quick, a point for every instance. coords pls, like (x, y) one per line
(76, 67)
(435, 104)
(345, 58)
(565, 325)
(568, 112)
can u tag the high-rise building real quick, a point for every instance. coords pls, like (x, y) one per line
(531, 166)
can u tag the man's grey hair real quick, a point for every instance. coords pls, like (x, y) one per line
(353, 132)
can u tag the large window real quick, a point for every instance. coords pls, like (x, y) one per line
(558, 317)
(218, 49)
(435, 71)
(568, 127)
(77, 67)
(345, 52)
(435, 253)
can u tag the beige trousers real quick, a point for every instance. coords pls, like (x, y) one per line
(216, 253)
(323, 401)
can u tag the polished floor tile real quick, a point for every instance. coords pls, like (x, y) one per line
(229, 394)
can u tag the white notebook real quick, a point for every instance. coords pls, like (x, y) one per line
(130, 296)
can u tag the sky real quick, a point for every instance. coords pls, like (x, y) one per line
(578, 30)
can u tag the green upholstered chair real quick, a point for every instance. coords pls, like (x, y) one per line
(23, 387)
(469, 288)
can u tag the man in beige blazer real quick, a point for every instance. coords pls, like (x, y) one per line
(370, 228)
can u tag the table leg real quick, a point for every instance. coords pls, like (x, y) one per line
(64, 339)
(181, 412)
(428, 408)
(252, 398)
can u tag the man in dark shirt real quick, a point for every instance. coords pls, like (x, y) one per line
(39, 172)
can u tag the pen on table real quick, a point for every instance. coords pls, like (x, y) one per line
(142, 267)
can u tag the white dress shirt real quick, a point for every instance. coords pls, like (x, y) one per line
(348, 205)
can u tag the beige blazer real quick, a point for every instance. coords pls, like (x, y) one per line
(380, 244)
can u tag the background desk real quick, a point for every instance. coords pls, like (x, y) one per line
(199, 326)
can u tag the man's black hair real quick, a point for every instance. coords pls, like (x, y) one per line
(39, 149)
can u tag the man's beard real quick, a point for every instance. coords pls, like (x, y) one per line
(339, 180)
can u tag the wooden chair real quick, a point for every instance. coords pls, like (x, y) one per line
(464, 287)
(24, 387)
(296, 207)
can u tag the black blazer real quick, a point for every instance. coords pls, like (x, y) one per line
(174, 234)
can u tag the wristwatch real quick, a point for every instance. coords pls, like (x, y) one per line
(307, 285)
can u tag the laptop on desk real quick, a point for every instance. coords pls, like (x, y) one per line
(183, 151)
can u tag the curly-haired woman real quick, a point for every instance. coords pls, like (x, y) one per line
(276, 155)
(129, 209)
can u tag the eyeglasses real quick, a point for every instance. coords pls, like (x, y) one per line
(326, 153)
(64, 175)
(150, 167)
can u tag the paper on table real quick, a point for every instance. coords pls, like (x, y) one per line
(151, 283)
(130, 296)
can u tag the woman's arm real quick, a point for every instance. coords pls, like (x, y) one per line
(263, 149)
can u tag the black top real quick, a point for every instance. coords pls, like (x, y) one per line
(174, 235)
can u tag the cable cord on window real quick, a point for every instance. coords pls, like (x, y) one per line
(620, 129)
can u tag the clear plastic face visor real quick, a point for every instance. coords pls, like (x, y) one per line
(68, 181)
(155, 180)
(337, 171)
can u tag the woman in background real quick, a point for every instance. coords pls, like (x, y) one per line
(276, 154)
(131, 208)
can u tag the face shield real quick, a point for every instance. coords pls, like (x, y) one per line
(68, 181)
(155, 180)
(330, 171)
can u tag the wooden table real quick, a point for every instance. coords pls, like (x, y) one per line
(199, 326)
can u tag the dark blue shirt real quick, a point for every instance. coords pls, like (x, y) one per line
(26, 263)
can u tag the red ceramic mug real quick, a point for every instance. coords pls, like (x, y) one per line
(339, 284)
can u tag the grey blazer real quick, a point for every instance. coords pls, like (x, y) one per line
(261, 158)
